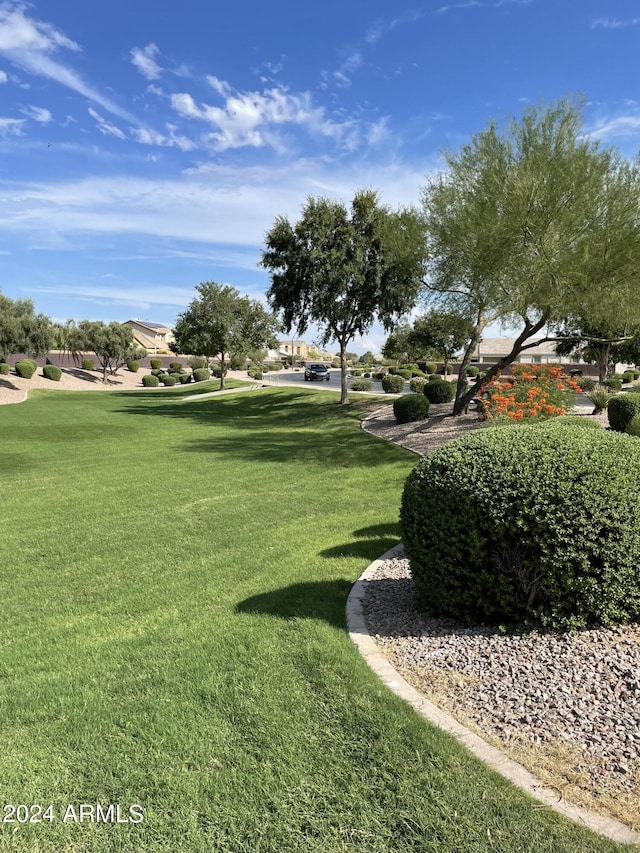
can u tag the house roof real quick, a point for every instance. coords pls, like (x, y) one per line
(155, 327)
(147, 342)
(503, 346)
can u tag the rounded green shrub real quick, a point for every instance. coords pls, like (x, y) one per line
(156, 363)
(275, 366)
(540, 527)
(150, 381)
(613, 382)
(433, 377)
(5, 367)
(636, 375)
(133, 366)
(216, 371)
(586, 383)
(621, 410)
(157, 371)
(575, 372)
(175, 366)
(184, 378)
(87, 364)
(362, 385)
(25, 368)
(417, 384)
(392, 384)
(627, 377)
(634, 426)
(200, 374)
(406, 374)
(440, 392)
(430, 367)
(411, 407)
(50, 371)
(168, 379)
(472, 371)
(196, 362)
(416, 373)
(356, 373)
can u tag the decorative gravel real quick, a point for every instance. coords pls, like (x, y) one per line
(582, 689)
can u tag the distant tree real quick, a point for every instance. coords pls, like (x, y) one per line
(221, 323)
(63, 338)
(367, 358)
(343, 269)
(602, 344)
(444, 333)
(112, 343)
(22, 330)
(531, 225)
(352, 357)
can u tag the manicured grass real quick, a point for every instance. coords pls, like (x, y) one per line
(173, 580)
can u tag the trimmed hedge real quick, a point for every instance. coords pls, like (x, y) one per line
(168, 379)
(411, 407)
(392, 384)
(156, 363)
(86, 364)
(50, 371)
(25, 368)
(473, 371)
(440, 392)
(175, 366)
(150, 381)
(200, 374)
(417, 384)
(133, 366)
(196, 362)
(533, 525)
(430, 367)
(184, 378)
(613, 382)
(361, 385)
(621, 410)
(4, 368)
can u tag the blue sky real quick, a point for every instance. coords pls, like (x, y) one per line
(146, 147)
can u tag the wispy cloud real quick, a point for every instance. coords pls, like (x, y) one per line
(250, 119)
(173, 139)
(39, 114)
(441, 10)
(106, 127)
(11, 126)
(143, 59)
(613, 23)
(4, 77)
(342, 75)
(31, 45)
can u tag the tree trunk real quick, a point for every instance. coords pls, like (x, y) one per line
(222, 371)
(462, 375)
(344, 397)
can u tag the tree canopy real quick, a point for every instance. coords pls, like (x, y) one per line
(112, 343)
(443, 332)
(343, 269)
(531, 224)
(221, 323)
(22, 330)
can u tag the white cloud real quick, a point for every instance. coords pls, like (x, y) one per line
(30, 44)
(106, 127)
(146, 136)
(348, 67)
(143, 59)
(3, 77)
(608, 128)
(221, 86)
(11, 126)
(470, 4)
(613, 23)
(249, 118)
(39, 114)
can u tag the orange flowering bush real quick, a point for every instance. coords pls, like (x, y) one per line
(531, 391)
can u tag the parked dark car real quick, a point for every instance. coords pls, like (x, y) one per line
(316, 371)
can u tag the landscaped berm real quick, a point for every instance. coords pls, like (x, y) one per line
(174, 577)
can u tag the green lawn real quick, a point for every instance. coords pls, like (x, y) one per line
(173, 582)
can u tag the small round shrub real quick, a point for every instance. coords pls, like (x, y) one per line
(472, 371)
(440, 392)
(150, 381)
(168, 379)
(634, 426)
(255, 372)
(362, 385)
(613, 382)
(367, 374)
(50, 371)
(540, 527)
(411, 407)
(175, 366)
(448, 372)
(4, 368)
(575, 372)
(215, 370)
(379, 374)
(627, 377)
(25, 368)
(275, 367)
(417, 384)
(157, 371)
(87, 364)
(406, 374)
(392, 384)
(415, 373)
(430, 367)
(133, 366)
(621, 410)
(356, 373)
(200, 374)
(184, 378)
(586, 383)
(433, 377)
(156, 363)
(636, 375)
(195, 362)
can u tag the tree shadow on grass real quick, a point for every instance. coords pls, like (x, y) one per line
(275, 426)
(368, 549)
(321, 600)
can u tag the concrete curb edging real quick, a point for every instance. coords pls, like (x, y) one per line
(490, 755)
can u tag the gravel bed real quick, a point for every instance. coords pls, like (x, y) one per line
(582, 689)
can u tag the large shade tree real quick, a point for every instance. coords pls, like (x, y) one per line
(22, 330)
(220, 322)
(342, 269)
(112, 343)
(529, 225)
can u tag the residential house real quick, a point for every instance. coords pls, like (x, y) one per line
(153, 337)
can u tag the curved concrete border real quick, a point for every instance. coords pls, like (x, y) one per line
(507, 767)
